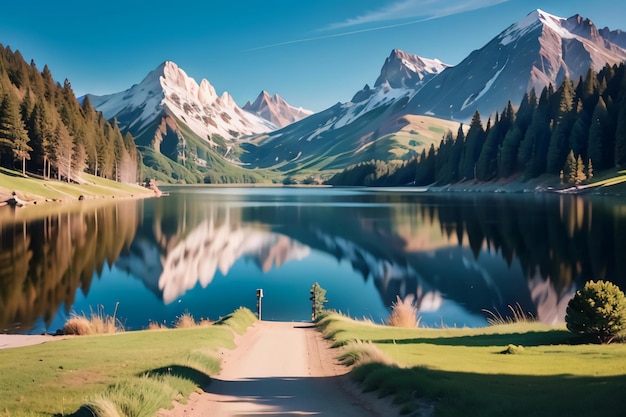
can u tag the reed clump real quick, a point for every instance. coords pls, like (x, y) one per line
(185, 321)
(518, 315)
(97, 323)
(153, 325)
(404, 313)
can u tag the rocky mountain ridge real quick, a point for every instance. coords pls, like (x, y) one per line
(379, 123)
(276, 110)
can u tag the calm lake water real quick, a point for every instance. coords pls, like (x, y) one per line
(205, 251)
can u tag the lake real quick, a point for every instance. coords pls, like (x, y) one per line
(206, 250)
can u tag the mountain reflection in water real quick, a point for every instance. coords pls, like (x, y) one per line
(205, 250)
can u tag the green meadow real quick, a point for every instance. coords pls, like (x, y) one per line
(519, 369)
(136, 372)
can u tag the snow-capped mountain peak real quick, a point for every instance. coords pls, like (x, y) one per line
(175, 79)
(539, 50)
(169, 90)
(276, 110)
(402, 69)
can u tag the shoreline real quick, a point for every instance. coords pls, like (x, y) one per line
(28, 197)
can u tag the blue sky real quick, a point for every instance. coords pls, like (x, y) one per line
(313, 53)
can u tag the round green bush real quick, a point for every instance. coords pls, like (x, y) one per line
(598, 310)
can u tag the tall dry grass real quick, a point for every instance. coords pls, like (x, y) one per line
(518, 315)
(185, 321)
(157, 326)
(96, 323)
(404, 313)
(358, 353)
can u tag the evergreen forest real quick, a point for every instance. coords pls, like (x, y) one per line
(46, 132)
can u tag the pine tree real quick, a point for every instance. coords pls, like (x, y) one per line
(473, 145)
(79, 160)
(487, 164)
(590, 90)
(425, 173)
(589, 171)
(579, 134)
(510, 147)
(63, 150)
(597, 135)
(570, 169)
(580, 170)
(559, 140)
(13, 136)
(441, 162)
(620, 134)
(456, 154)
(40, 129)
(533, 149)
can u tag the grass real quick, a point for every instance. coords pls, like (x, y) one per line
(32, 188)
(81, 374)
(516, 369)
(141, 396)
(518, 315)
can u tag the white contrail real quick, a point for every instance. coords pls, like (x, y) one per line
(392, 12)
(335, 35)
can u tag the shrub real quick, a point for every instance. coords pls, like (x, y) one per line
(403, 313)
(318, 297)
(598, 310)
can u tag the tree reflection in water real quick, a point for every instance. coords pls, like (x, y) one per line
(474, 251)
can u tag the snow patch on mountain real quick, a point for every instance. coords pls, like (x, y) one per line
(383, 95)
(474, 98)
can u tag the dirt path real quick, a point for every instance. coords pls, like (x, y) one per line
(280, 369)
(8, 341)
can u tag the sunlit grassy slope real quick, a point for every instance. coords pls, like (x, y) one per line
(35, 189)
(521, 369)
(56, 378)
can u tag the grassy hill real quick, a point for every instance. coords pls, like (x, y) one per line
(35, 191)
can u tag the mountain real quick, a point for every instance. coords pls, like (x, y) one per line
(404, 70)
(168, 91)
(539, 50)
(412, 104)
(370, 126)
(171, 115)
(276, 110)
(382, 123)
